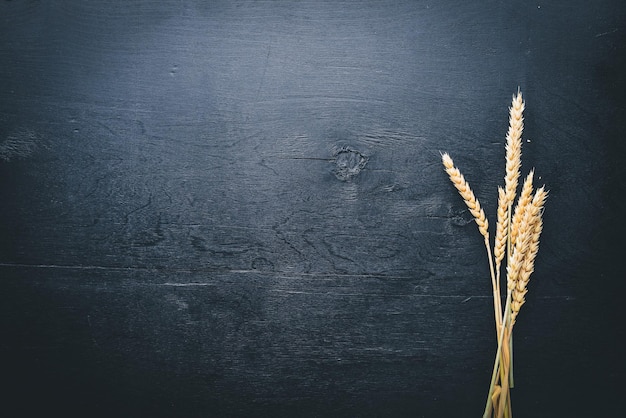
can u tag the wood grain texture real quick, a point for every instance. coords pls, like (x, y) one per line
(237, 208)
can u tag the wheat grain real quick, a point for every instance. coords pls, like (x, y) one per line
(467, 194)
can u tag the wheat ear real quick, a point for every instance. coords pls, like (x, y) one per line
(513, 166)
(526, 235)
(467, 194)
(528, 266)
(513, 163)
(535, 212)
(514, 147)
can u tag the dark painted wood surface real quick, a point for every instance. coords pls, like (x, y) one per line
(237, 208)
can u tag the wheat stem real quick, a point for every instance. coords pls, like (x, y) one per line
(518, 229)
(497, 308)
(496, 365)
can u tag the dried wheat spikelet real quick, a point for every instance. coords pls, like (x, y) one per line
(466, 193)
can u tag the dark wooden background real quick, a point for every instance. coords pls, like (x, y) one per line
(237, 208)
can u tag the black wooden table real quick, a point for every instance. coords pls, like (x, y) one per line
(237, 208)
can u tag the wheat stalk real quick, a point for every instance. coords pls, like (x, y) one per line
(513, 166)
(517, 238)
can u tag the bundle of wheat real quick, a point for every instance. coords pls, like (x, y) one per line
(517, 236)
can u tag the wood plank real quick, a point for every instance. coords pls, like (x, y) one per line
(237, 343)
(237, 208)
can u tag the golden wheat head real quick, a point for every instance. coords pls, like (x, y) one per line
(466, 193)
(514, 147)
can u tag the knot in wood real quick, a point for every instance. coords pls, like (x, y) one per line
(348, 163)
